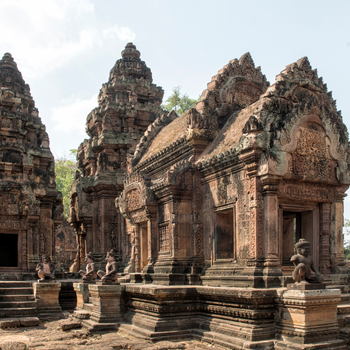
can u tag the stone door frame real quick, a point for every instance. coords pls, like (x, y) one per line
(315, 244)
(20, 253)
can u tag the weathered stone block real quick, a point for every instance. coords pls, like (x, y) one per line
(9, 323)
(67, 325)
(29, 321)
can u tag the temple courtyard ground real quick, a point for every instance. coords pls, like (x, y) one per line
(49, 335)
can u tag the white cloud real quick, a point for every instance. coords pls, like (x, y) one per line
(72, 117)
(43, 35)
(122, 33)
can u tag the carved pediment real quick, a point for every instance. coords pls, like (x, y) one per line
(136, 196)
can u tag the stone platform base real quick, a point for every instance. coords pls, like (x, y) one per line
(329, 345)
(233, 317)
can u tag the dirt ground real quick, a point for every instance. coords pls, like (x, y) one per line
(49, 335)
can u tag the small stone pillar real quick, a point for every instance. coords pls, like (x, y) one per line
(46, 297)
(105, 299)
(307, 318)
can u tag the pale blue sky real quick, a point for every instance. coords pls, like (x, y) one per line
(65, 49)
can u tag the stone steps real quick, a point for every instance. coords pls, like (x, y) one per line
(81, 314)
(14, 297)
(139, 332)
(94, 326)
(17, 304)
(343, 320)
(88, 307)
(16, 291)
(345, 298)
(231, 342)
(343, 309)
(19, 311)
(15, 284)
(17, 299)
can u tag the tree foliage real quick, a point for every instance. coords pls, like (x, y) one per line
(65, 168)
(178, 102)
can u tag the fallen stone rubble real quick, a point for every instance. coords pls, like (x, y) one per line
(64, 335)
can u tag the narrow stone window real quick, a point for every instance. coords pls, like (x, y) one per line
(224, 234)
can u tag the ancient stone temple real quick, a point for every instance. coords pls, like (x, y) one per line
(30, 206)
(219, 195)
(127, 105)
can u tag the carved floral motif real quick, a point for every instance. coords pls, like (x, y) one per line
(133, 200)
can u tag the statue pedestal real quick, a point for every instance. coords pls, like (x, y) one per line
(308, 319)
(82, 292)
(106, 303)
(98, 305)
(47, 303)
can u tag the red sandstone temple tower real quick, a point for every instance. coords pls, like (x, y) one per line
(127, 104)
(30, 206)
(219, 195)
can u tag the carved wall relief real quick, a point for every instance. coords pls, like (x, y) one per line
(164, 238)
(311, 159)
(133, 200)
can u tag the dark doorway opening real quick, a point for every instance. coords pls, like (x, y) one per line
(8, 250)
(296, 225)
(224, 234)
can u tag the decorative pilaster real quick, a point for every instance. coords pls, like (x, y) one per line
(271, 228)
(336, 234)
(325, 259)
(251, 157)
(256, 221)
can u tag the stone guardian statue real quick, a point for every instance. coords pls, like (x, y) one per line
(111, 274)
(90, 274)
(304, 264)
(46, 270)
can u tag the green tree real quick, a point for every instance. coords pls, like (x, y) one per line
(347, 240)
(65, 168)
(178, 102)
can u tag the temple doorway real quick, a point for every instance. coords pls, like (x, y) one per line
(224, 228)
(296, 224)
(8, 250)
(143, 246)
